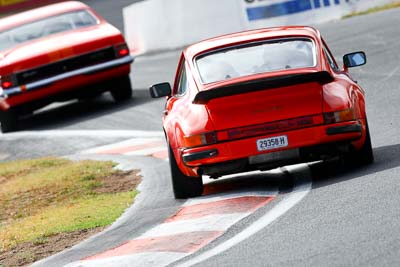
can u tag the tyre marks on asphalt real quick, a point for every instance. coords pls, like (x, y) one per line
(197, 223)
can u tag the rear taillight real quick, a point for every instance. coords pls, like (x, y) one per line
(121, 50)
(6, 82)
(339, 116)
(200, 139)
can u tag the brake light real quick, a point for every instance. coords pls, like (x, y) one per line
(121, 50)
(6, 84)
(200, 139)
(339, 116)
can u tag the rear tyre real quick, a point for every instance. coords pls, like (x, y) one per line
(122, 89)
(363, 156)
(182, 185)
(9, 122)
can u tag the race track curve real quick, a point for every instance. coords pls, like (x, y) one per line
(321, 214)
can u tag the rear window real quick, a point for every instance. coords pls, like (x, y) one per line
(45, 27)
(254, 58)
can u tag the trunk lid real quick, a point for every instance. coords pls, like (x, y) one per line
(263, 102)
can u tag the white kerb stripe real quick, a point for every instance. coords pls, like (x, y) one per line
(133, 260)
(300, 190)
(214, 222)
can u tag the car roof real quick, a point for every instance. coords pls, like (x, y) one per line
(248, 36)
(39, 13)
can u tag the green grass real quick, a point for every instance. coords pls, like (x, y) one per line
(43, 197)
(374, 9)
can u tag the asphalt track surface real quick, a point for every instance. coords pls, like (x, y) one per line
(350, 217)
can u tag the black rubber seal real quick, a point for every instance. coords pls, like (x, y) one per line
(321, 77)
(344, 129)
(200, 155)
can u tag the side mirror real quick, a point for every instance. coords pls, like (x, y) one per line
(160, 90)
(354, 59)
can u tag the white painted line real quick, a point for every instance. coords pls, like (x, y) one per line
(300, 190)
(80, 133)
(137, 259)
(215, 222)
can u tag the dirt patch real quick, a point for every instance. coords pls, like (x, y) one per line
(27, 253)
(120, 182)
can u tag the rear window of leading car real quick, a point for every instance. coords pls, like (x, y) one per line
(45, 27)
(254, 58)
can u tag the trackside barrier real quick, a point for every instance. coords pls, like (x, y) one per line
(154, 25)
(159, 24)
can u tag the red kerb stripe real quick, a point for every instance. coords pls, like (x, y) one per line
(161, 154)
(233, 205)
(184, 243)
(128, 149)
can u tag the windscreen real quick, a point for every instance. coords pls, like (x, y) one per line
(44, 27)
(256, 58)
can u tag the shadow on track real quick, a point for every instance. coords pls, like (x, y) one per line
(322, 174)
(69, 113)
(249, 182)
(325, 174)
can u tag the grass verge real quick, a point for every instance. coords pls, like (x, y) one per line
(49, 204)
(373, 10)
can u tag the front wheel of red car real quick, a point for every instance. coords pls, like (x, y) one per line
(122, 89)
(182, 185)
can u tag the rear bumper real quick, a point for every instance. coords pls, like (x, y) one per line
(63, 76)
(304, 145)
(65, 82)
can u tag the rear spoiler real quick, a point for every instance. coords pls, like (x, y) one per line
(321, 77)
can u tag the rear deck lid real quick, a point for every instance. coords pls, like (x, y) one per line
(265, 101)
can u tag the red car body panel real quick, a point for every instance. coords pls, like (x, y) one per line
(297, 111)
(63, 86)
(56, 48)
(60, 46)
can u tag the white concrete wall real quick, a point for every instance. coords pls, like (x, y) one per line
(168, 24)
(154, 25)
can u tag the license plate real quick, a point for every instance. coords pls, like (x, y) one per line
(272, 143)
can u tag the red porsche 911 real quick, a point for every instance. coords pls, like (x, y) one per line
(261, 99)
(56, 53)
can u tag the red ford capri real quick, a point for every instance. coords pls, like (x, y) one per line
(261, 99)
(56, 53)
